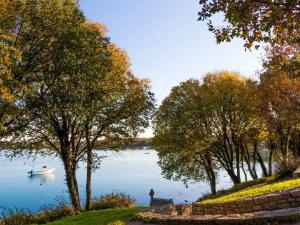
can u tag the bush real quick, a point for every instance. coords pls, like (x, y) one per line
(17, 217)
(23, 217)
(111, 201)
(285, 168)
(55, 213)
(118, 222)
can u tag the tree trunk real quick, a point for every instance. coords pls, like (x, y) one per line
(271, 160)
(233, 176)
(238, 166)
(255, 151)
(244, 171)
(287, 148)
(208, 165)
(88, 179)
(247, 157)
(72, 186)
(262, 165)
(212, 181)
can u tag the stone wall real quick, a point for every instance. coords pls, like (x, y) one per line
(278, 200)
(174, 210)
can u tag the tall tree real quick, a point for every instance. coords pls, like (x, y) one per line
(58, 49)
(231, 115)
(117, 109)
(80, 88)
(180, 137)
(212, 124)
(280, 96)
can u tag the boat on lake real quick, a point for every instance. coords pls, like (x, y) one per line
(42, 171)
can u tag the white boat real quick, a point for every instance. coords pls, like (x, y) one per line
(43, 170)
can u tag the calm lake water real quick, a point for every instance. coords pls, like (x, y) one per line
(133, 172)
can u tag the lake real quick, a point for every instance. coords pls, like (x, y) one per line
(133, 172)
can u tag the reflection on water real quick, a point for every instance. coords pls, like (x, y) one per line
(42, 179)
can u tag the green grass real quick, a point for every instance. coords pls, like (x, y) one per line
(256, 190)
(101, 217)
(238, 187)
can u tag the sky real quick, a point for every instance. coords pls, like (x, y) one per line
(166, 43)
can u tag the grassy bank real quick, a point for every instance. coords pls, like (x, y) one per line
(101, 217)
(252, 189)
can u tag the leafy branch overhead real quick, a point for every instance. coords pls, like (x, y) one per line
(254, 21)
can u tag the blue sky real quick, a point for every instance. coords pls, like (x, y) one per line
(166, 43)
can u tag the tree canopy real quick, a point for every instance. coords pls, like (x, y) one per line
(253, 20)
(222, 121)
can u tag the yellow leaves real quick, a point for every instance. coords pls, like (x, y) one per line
(102, 29)
(120, 60)
(224, 76)
(9, 9)
(8, 55)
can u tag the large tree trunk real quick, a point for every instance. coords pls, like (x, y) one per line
(234, 178)
(212, 181)
(88, 179)
(72, 186)
(89, 167)
(210, 173)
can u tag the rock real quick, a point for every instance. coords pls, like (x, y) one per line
(296, 173)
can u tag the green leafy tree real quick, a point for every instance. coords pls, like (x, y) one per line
(80, 91)
(253, 20)
(231, 115)
(213, 124)
(57, 48)
(117, 109)
(181, 140)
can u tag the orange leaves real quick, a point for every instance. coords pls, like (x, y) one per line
(101, 28)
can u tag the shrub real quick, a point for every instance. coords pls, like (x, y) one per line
(17, 217)
(285, 168)
(54, 213)
(23, 217)
(118, 222)
(110, 201)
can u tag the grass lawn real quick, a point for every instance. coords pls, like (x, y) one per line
(101, 217)
(256, 190)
